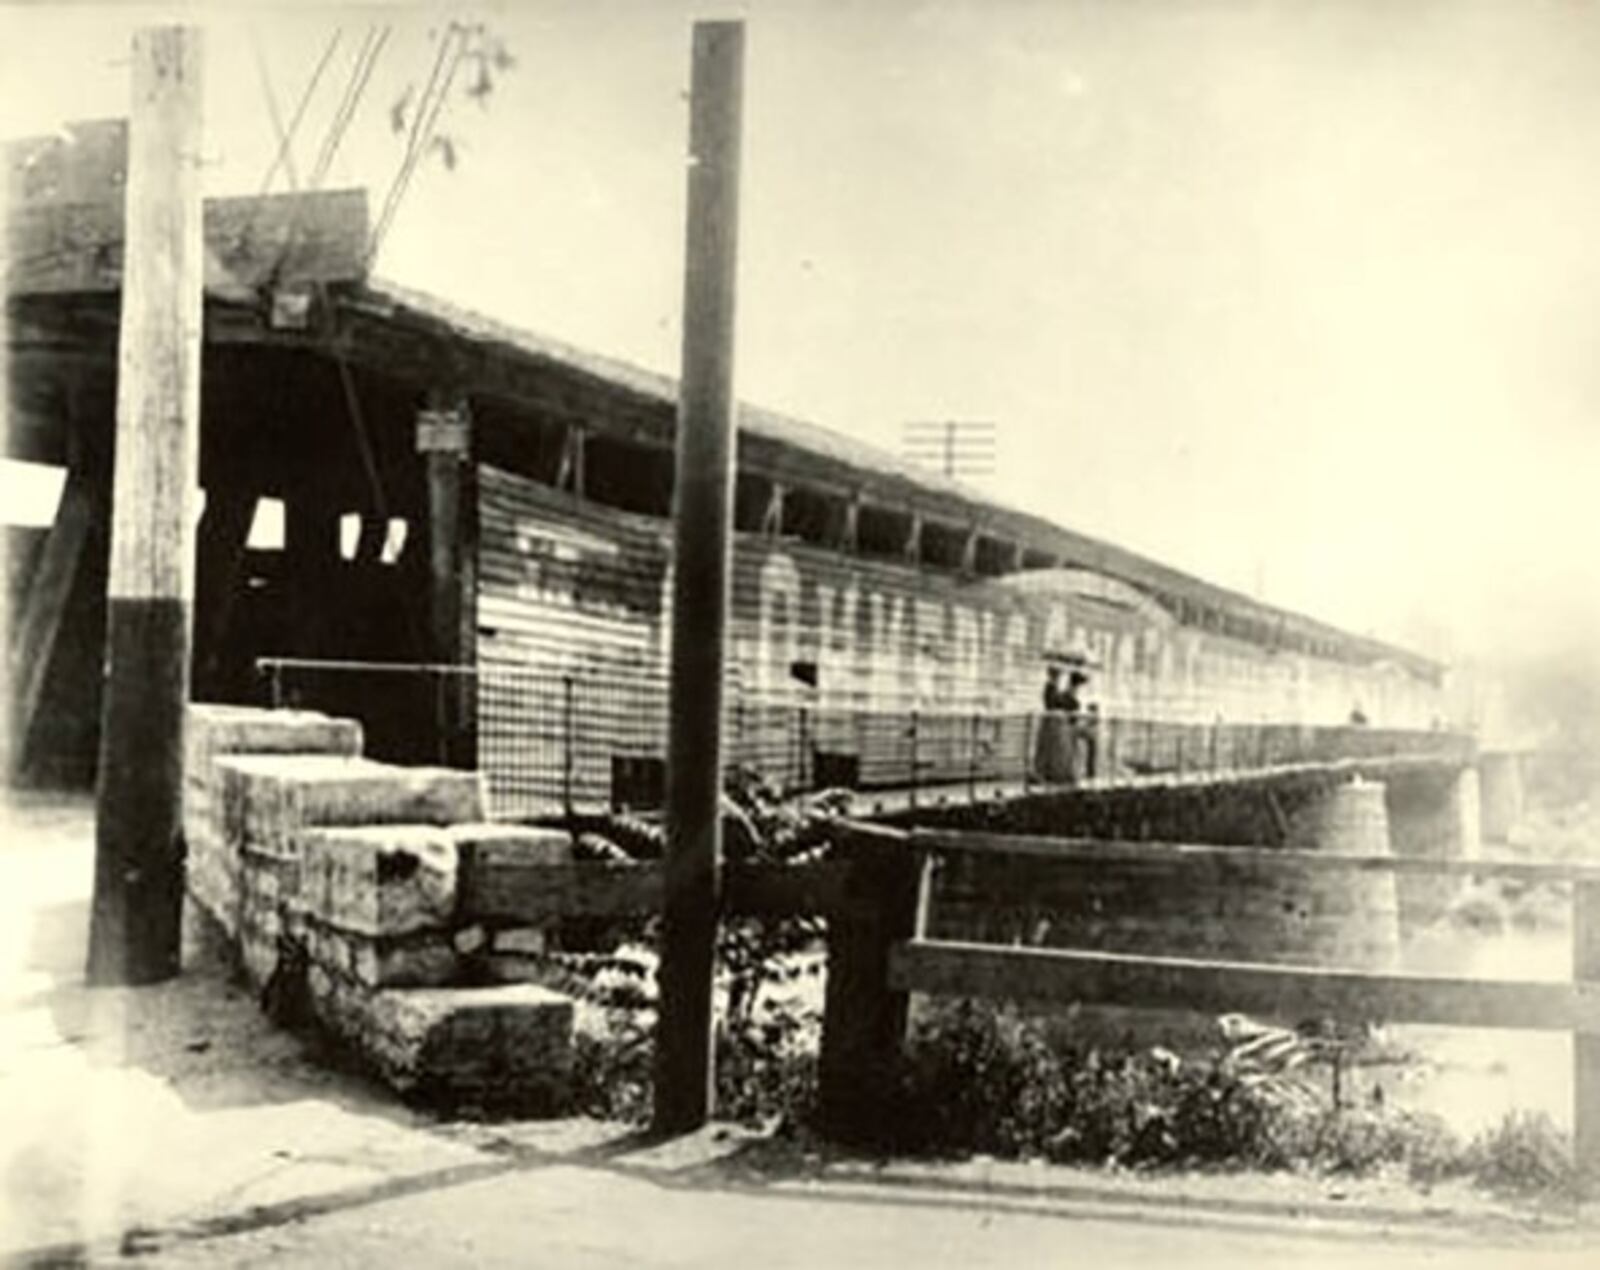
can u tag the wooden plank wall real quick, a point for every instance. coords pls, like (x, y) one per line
(574, 588)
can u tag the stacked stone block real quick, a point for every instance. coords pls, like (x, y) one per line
(388, 954)
(300, 846)
(270, 800)
(213, 865)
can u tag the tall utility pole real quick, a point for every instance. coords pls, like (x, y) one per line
(703, 498)
(138, 884)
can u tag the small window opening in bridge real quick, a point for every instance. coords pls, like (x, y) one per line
(394, 539)
(266, 527)
(517, 441)
(30, 493)
(349, 535)
(881, 532)
(943, 546)
(807, 515)
(635, 478)
(751, 494)
(994, 556)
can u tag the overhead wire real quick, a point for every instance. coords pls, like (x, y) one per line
(355, 88)
(360, 75)
(284, 158)
(431, 103)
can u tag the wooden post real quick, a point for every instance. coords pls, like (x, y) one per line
(224, 535)
(79, 518)
(444, 438)
(703, 494)
(864, 1021)
(310, 553)
(1586, 1045)
(135, 918)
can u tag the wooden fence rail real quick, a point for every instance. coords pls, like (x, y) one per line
(876, 890)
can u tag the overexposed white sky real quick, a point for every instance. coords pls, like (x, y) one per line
(1303, 298)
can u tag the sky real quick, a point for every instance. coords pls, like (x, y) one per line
(1299, 297)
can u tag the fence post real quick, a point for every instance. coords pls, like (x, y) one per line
(441, 727)
(972, 762)
(1027, 751)
(864, 1020)
(1586, 1045)
(568, 758)
(911, 796)
(803, 750)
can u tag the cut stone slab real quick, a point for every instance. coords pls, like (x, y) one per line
(216, 730)
(502, 1047)
(268, 799)
(380, 879)
(423, 959)
(490, 850)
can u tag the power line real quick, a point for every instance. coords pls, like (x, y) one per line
(355, 88)
(285, 158)
(361, 73)
(429, 105)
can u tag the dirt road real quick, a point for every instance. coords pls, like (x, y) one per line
(174, 1126)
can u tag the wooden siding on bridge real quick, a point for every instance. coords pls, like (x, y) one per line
(571, 589)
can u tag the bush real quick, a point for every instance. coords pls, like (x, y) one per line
(766, 1076)
(1525, 1154)
(766, 1040)
(980, 1078)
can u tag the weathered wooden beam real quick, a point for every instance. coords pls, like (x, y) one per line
(223, 535)
(48, 593)
(444, 438)
(310, 551)
(864, 1010)
(510, 893)
(135, 916)
(251, 244)
(570, 474)
(772, 515)
(1287, 993)
(913, 545)
(969, 551)
(370, 539)
(1187, 855)
(85, 161)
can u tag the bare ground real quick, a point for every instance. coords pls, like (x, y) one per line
(174, 1124)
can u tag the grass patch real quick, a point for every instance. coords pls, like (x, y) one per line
(983, 1079)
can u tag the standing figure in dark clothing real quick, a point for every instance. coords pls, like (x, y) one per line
(1084, 725)
(1072, 703)
(1052, 759)
(1057, 695)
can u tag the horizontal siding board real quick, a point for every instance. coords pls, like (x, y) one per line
(569, 587)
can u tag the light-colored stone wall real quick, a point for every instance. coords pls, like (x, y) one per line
(335, 881)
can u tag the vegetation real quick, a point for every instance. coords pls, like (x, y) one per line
(985, 1078)
(768, 970)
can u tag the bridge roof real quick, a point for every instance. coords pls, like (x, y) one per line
(807, 451)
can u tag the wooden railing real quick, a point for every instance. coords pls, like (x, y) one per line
(876, 890)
